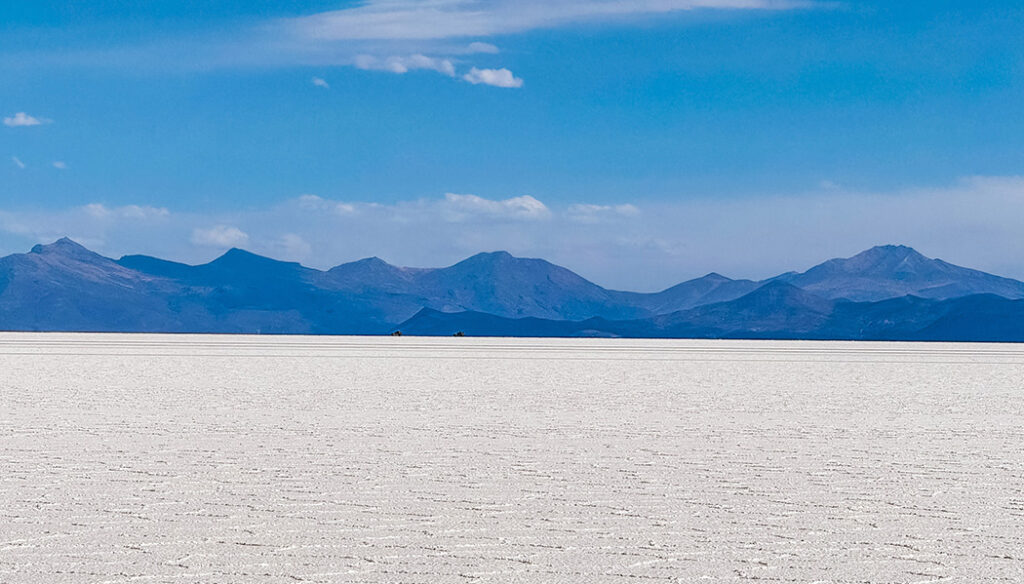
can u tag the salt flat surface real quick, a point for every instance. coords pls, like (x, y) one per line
(255, 459)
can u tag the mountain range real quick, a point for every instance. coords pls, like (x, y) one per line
(885, 293)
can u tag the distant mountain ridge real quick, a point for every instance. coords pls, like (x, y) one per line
(891, 271)
(885, 292)
(776, 314)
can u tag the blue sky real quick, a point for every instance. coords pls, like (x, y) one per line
(639, 142)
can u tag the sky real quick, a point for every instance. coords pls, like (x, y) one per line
(638, 142)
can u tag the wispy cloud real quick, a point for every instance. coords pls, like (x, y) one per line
(461, 207)
(101, 211)
(23, 120)
(17, 162)
(589, 213)
(452, 208)
(397, 36)
(60, 165)
(478, 47)
(430, 27)
(401, 65)
(315, 203)
(444, 19)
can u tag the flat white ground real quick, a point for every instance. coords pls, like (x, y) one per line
(408, 460)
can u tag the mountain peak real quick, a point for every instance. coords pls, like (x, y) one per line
(365, 266)
(891, 271)
(237, 252)
(493, 259)
(492, 256)
(241, 263)
(64, 247)
(776, 288)
(236, 256)
(63, 244)
(714, 277)
(778, 293)
(372, 272)
(372, 261)
(890, 251)
(886, 259)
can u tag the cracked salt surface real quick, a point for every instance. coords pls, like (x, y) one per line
(253, 459)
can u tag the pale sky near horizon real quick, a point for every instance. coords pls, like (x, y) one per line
(638, 142)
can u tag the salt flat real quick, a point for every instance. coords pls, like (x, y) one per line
(269, 459)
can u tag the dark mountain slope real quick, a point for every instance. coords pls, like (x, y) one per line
(373, 275)
(972, 319)
(156, 267)
(500, 284)
(776, 310)
(983, 317)
(708, 289)
(249, 292)
(495, 283)
(63, 286)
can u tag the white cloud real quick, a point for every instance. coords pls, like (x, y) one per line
(141, 212)
(23, 120)
(495, 77)
(443, 19)
(101, 211)
(17, 162)
(453, 208)
(60, 165)
(321, 82)
(219, 236)
(402, 65)
(461, 207)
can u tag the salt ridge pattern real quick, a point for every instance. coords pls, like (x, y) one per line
(146, 458)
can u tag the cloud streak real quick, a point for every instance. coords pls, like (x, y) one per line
(447, 19)
(463, 207)
(403, 64)
(589, 213)
(431, 26)
(397, 36)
